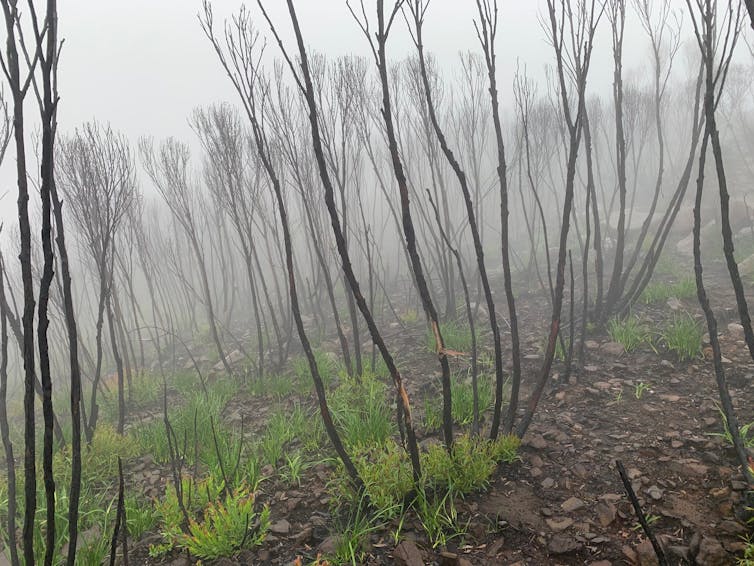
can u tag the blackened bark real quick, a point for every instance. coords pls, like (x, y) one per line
(722, 385)
(617, 21)
(728, 249)
(488, 25)
(308, 90)
(705, 28)
(383, 29)
(18, 91)
(4, 429)
(243, 72)
(582, 45)
(75, 397)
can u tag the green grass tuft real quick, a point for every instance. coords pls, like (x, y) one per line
(661, 292)
(455, 335)
(362, 412)
(630, 332)
(683, 336)
(462, 402)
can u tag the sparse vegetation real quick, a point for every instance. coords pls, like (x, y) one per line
(640, 388)
(438, 516)
(221, 347)
(226, 526)
(462, 407)
(361, 410)
(748, 556)
(457, 337)
(746, 431)
(631, 332)
(352, 531)
(660, 292)
(683, 337)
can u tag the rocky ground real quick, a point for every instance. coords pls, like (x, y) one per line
(563, 502)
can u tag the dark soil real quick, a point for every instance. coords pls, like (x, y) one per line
(563, 502)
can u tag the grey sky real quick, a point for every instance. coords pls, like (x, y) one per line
(144, 65)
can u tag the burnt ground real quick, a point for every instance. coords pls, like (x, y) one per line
(563, 501)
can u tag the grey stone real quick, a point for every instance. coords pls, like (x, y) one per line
(558, 524)
(281, 527)
(712, 553)
(612, 348)
(562, 544)
(572, 504)
(408, 554)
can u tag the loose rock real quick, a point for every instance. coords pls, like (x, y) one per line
(612, 348)
(712, 553)
(655, 493)
(281, 527)
(562, 544)
(606, 512)
(408, 554)
(558, 524)
(572, 504)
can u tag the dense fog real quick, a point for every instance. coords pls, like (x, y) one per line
(415, 197)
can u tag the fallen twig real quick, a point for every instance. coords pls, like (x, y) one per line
(640, 514)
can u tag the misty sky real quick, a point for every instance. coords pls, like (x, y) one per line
(144, 65)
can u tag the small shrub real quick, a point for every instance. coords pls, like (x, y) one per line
(685, 288)
(271, 447)
(197, 495)
(462, 406)
(504, 448)
(639, 389)
(150, 438)
(184, 380)
(432, 414)
(250, 471)
(469, 467)
(630, 332)
(276, 386)
(294, 466)
(668, 266)
(227, 526)
(410, 316)
(683, 336)
(560, 351)
(387, 475)
(299, 421)
(748, 557)
(96, 516)
(145, 390)
(192, 423)
(386, 472)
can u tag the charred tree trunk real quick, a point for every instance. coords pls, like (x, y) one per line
(706, 30)
(4, 428)
(244, 75)
(486, 31)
